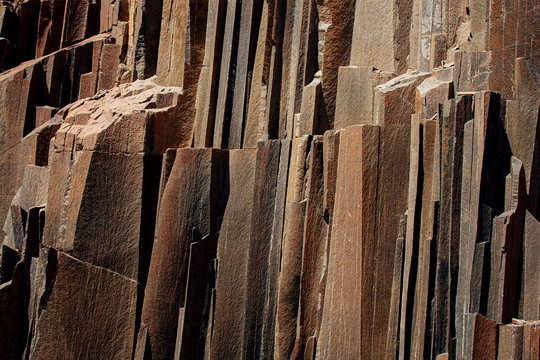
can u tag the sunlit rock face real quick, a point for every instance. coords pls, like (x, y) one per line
(260, 179)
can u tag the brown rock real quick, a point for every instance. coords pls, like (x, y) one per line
(350, 264)
(88, 305)
(354, 100)
(510, 342)
(232, 254)
(176, 231)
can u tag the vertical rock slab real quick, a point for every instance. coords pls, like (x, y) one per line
(392, 191)
(266, 180)
(531, 267)
(426, 238)
(145, 27)
(50, 26)
(523, 128)
(387, 48)
(481, 340)
(288, 152)
(97, 183)
(411, 247)
(473, 157)
(507, 238)
(337, 23)
(233, 256)
(208, 82)
(309, 122)
(289, 280)
(256, 115)
(394, 101)
(354, 99)
(181, 47)
(454, 116)
(80, 22)
(314, 250)
(471, 71)
(392, 348)
(189, 212)
(531, 341)
(88, 305)
(510, 342)
(503, 16)
(346, 321)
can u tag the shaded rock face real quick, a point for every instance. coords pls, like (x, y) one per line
(263, 179)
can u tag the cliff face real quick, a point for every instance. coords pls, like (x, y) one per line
(257, 179)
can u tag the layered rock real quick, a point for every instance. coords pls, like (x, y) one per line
(269, 179)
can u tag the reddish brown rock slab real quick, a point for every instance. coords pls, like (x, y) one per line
(473, 158)
(394, 101)
(354, 99)
(44, 114)
(257, 116)
(503, 19)
(387, 48)
(309, 113)
(189, 211)
(510, 342)
(172, 51)
(314, 251)
(426, 239)
(481, 337)
(523, 128)
(108, 69)
(531, 341)
(264, 250)
(531, 268)
(392, 347)
(506, 249)
(471, 71)
(88, 305)
(180, 23)
(429, 94)
(97, 183)
(80, 21)
(346, 323)
(32, 150)
(412, 219)
(454, 115)
(289, 280)
(208, 80)
(336, 24)
(392, 192)
(50, 26)
(232, 254)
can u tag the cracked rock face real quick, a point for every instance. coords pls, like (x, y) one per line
(260, 179)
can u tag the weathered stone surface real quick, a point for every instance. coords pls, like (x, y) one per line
(482, 337)
(472, 71)
(232, 254)
(510, 342)
(354, 99)
(351, 248)
(394, 101)
(88, 305)
(531, 266)
(408, 231)
(184, 219)
(387, 48)
(261, 276)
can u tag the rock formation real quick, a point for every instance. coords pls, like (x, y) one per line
(270, 179)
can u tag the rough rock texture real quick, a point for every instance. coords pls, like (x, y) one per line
(269, 179)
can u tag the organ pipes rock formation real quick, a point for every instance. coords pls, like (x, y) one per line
(270, 179)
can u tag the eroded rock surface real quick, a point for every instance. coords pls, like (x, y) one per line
(263, 179)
